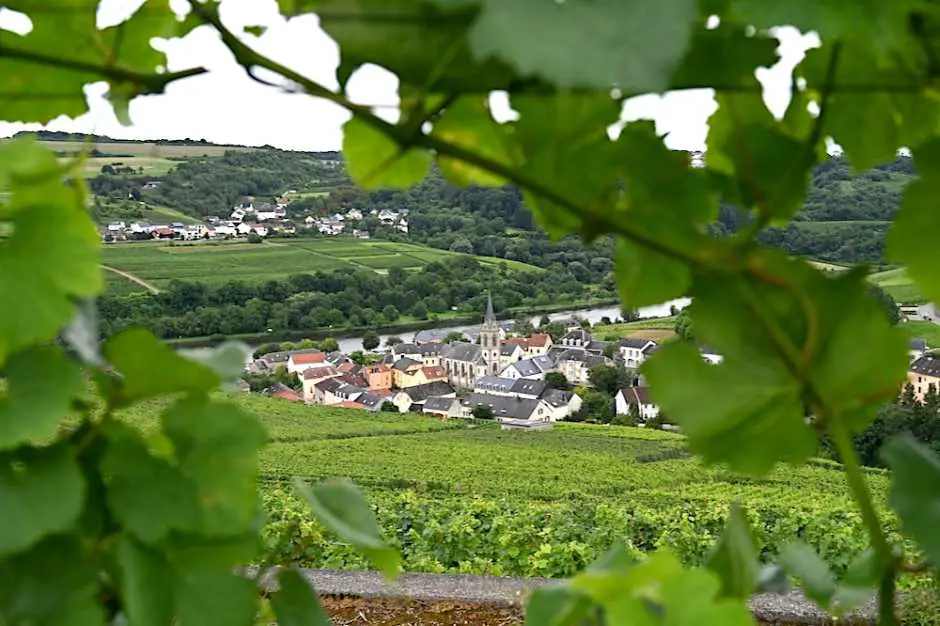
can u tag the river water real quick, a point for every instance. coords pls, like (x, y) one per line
(351, 344)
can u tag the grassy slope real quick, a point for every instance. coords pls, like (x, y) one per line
(151, 150)
(923, 330)
(897, 283)
(218, 262)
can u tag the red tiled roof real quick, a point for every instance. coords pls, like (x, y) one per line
(376, 368)
(286, 394)
(308, 358)
(316, 373)
(348, 366)
(539, 340)
(434, 371)
(348, 404)
(517, 341)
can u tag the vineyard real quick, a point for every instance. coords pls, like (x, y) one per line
(465, 499)
(159, 263)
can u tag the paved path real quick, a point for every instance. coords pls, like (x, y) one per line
(140, 281)
(791, 608)
(929, 312)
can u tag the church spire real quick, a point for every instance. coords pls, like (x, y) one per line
(490, 317)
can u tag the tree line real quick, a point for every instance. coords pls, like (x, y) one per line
(335, 300)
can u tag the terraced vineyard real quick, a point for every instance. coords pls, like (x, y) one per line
(160, 262)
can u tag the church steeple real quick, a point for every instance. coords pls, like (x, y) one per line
(489, 317)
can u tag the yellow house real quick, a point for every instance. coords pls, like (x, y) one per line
(923, 373)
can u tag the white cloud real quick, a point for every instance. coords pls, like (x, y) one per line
(226, 106)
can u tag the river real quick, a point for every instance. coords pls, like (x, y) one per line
(351, 344)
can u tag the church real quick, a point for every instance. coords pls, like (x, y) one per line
(464, 362)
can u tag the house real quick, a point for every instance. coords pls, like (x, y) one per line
(225, 230)
(354, 214)
(348, 404)
(508, 406)
(283, 392)
(533, 368)
(576, 365)
(434, 372)
(563, 403)
(509, 353)
(405, 373)
(324, 392)
(429, 354)
(577, 338)
(378, 376)
(412, 398)
(534, 345)
(444, 407)
(246, 228)
(918, 348)
(152, 184)
(923, 374)
(116, 227)
(311, 376)
(162, 232)
(348, 393)
(373, 400)
(639, 398)
(302, 360)
(634, 351)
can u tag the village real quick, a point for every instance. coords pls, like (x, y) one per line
(263, 220)
(520, 381)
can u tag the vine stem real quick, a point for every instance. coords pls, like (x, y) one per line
(856, 479)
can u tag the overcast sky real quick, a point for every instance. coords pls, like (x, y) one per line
(225, 106)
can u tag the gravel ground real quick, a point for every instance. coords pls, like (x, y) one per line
(433, 599)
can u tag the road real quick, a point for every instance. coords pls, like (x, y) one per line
(143, 283)
(929, 313)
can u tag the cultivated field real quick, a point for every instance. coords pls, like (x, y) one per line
(897, 283)
(468, 499)
(159, 262)
(151, 150)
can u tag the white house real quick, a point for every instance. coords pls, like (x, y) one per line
(246, 228)
(238, 215)
(710, 355)
(561, 403)
(533, 368)
(301, 361)
(354, 214)
(225, 230)
(634, 351)
(638, 397)
(116, 227)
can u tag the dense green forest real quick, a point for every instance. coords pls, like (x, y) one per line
(844, 219)
(334, 300)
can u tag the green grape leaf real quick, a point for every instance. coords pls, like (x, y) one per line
(606, 43)
(208, 597)
(52, 584)
(906, 242)
(296, 603)
(342, 508)
(146, 493)
(873, 24)
(801, 561)
(190, 551)
(556, 606)
(227, 360)
(734, 558)
(915, 491)
(425, 44)
(152, 368)
(617, 574)
(43, 268)
(692, 597)
(216, 446)
(147, 583)
(41, 492)
(773, 579)
(375, 161)
(468, 124)
(40, 95)
(564, 145)
(645, 276)
(755, 422)
(848, 111)
(841, 373)
(726, 55)
(41, 383)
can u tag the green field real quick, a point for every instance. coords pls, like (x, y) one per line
(159, 262)
(923, 330)
(140, 149)
(897, 283)
(151, 166)
(474, 499)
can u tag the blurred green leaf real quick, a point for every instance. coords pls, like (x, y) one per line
(734, 558)
(295, 602)
(804, 564)
(915, 491)
(375, 161)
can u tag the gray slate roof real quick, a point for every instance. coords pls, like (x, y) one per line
(507, 349)
(404, 363)
(634, 342)
(494, 384)
(329, 385)
(504, 406)
(534, 388)
(438, 403)
(918, 344)
(927, 365)
(557, 397)
(420, 393)
(372, 400)
(462, 351)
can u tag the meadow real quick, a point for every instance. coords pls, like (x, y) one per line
(160, 262)
(460, 498)
(111, 150)
(897, 283)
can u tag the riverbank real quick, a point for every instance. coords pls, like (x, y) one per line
(452, 323)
